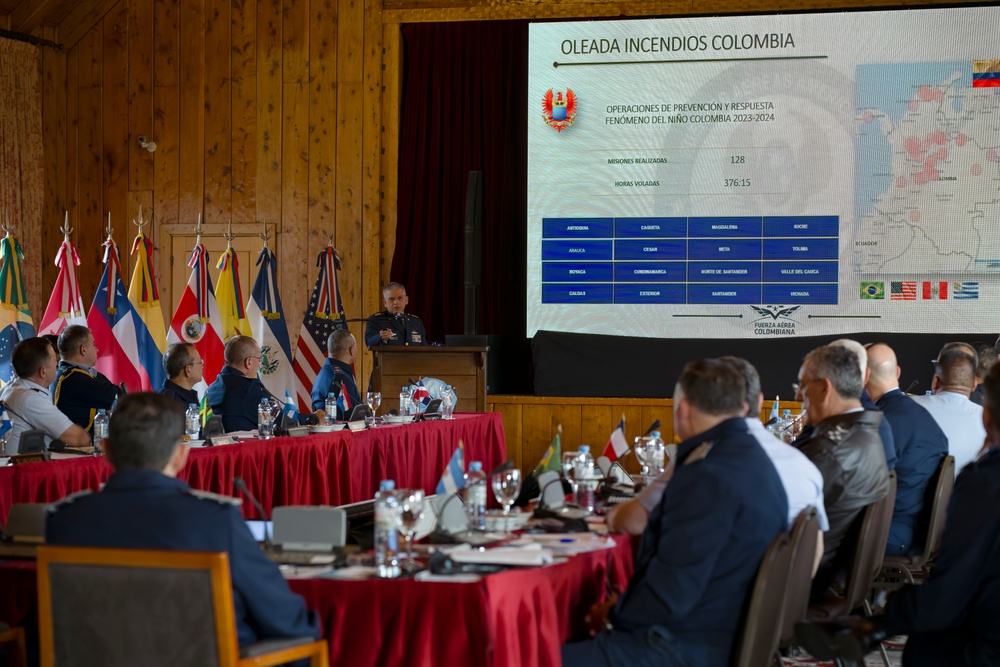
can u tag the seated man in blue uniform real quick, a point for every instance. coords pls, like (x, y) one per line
(337, 373)
(79, 391)
(951, 619)
(144, 506)
(237, 391)
(704, 541)
(920, 446)
(394, 326)
(184, 366)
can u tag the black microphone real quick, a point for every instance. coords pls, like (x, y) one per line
(652, 427)
(912, 385)
(240, 485)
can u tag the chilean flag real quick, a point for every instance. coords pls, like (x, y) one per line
(112, 320)
(66, 303)
(197, 318)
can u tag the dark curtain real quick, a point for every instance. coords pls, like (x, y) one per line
(464, 108)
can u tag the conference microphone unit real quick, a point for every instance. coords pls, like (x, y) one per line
(240, 485)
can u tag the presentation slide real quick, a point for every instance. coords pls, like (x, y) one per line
(765, 176)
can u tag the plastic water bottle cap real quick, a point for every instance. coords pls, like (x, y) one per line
(584, 449)
(101, 411)
(330, 395)
(654, 434)
(387, 485)
(192, 405)
(476, 466)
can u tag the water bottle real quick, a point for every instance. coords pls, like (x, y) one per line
(264, 425)
(475, 496)
(656, 454)
(447, 402)
(330, 408)
(583, 473)
(192, 422)
(785, 425)
(100, 428)
(386, 530)
(404, 401)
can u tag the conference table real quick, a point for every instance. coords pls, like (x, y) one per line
(318, 469)
(516, 618)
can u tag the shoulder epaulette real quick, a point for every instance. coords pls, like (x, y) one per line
(699, 452)
(69, 500)
(216, 497)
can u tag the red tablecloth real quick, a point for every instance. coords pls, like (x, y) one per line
(328, 469)
(518, 618)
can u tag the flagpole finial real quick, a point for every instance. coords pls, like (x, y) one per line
(140, 223)
(198, 230)
(264, 236)
(229, 235)
(110, 230)
(66, 229)
(7, 226)
(559, 428)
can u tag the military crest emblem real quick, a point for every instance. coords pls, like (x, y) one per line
(559, 110)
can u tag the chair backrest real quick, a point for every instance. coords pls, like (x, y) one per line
(939, 506)
(804, 537)
(135, 607)
(763, 615)
(870, 547)
(26, 523)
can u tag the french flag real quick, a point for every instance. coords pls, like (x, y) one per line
(617, 445)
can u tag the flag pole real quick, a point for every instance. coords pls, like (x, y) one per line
(7, 227)
(198, 229)
(229, 235)
(264, 236)
(66, 229)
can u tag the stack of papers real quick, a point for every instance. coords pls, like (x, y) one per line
(527, 555)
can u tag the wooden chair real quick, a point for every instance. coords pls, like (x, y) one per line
(869, 550)
(117, 607)
(804, 538)
(758, 641)
(17, 655)
(937, 505)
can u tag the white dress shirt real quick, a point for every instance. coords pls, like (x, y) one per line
(961, 420)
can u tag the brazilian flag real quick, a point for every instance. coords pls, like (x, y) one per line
(872, 290)
(553, 457)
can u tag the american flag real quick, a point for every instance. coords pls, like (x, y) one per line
(324, 314)
(903, 291)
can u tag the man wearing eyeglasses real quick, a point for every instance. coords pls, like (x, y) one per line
(237, 391)
(184, 366)
(846, 448)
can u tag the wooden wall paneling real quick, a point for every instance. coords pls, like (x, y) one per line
(244, 110)
(90, 219)
(140, 93)
(191, 135)
(166, 112)
(294, 223)
(54, 138)
(537, 432)
(28, 15)
(269, 69)
(512, 428)
(84, 17)
(596, 422)
(218, 111)
(389, 146)
(72, 150)
(371, 186)
(115, 120)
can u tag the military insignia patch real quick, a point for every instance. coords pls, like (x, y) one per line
(415, 337)
(699, 452)
(559, 111)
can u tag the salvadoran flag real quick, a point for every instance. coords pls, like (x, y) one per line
(267, 321)
(453, 477)
(197, 319)
(66, 303)
(150, 334)
(229, 297)
(617, 445)
(15, 316)
(113, 321)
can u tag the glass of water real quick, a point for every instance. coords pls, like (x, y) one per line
(411, 507)
(373, 399)
(506, 486)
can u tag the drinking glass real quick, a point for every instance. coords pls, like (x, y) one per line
(373, 399)
(270, 408)
(568, 465)
(411, 507)
(447, 402)
(640, 455)
(506, 486)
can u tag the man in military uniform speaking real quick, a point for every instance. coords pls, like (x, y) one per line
(144, 506)
(394, 326)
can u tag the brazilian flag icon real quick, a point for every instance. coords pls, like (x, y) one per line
(872, 290)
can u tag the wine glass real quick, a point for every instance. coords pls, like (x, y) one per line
(640, 455)
(506, 486)
(411, 507)
(568, 466)
(373, 399)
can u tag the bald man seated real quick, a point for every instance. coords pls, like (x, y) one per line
(920, 446)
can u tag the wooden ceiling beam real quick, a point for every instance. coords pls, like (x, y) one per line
(30, 14)
(81, 20)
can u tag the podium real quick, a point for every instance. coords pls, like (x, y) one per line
(464, 368)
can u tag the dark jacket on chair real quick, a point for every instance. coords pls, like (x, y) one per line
(848, 451)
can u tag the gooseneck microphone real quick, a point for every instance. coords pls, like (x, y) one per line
(240, 485)
(542, 505)
(912, 385)
(652, 427)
